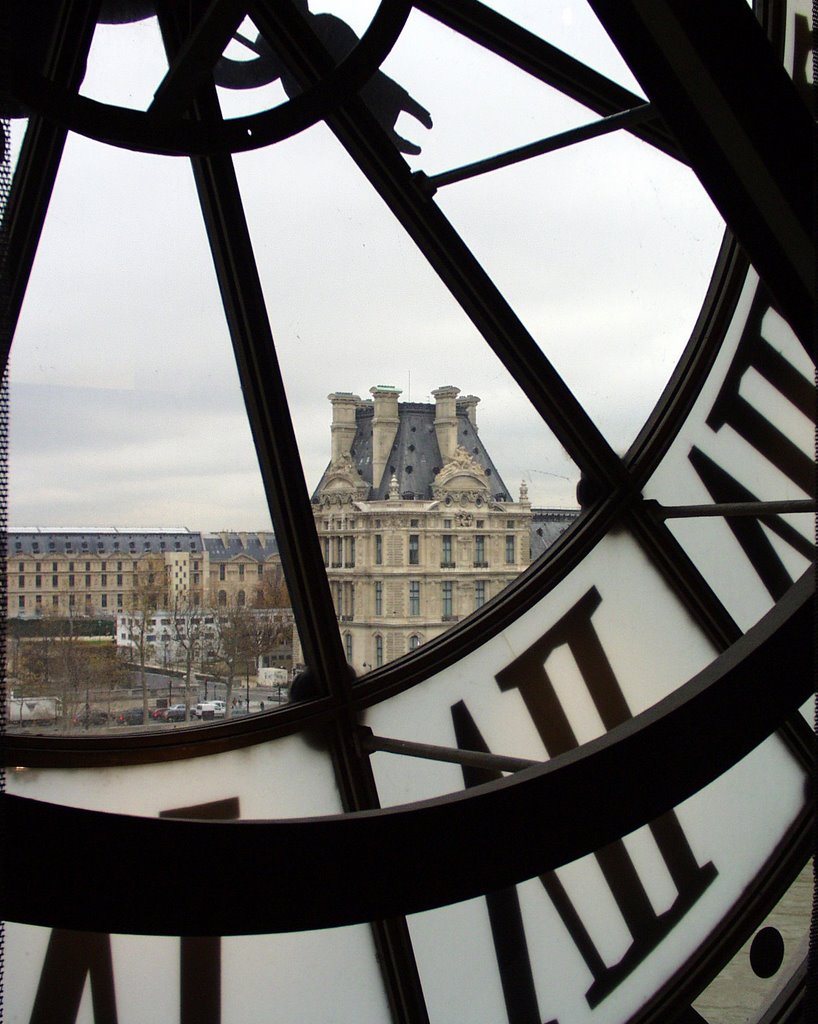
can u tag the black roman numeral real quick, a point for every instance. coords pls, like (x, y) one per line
(505, 918)
(648, 929)
(732, 409)
(72, 956)
(69, 959)
(200, 956)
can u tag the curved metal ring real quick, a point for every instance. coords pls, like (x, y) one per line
(359, 867)
(138, 130)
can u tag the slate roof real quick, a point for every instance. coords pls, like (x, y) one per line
(258, 546)
(546, 525)
(108, 541)
(415, 458)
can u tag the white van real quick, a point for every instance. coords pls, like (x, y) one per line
(216, 706)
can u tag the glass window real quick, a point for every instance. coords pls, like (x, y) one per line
(54, 581)
(241, 598)
(55, 601)
(103, 580)
(38, 581)
(378, 549)
(326, 550)
(480, 550)
(414, 549)
(221, 571)
(378, 651)
(71, 580)
(414, 642)
(479, 594)
(21, 581)
(88, 580)
(446, 550)
(414, 597)
(446, 599)
(510, 550)
(21, 601)
(119, 601)
(241, 572)
(379, 598)
(104, 601)
(119, 579)
(348, 645)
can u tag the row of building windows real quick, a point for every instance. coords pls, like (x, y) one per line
(103, 567)
(55, 601)
(345, 598)
(446, 551)
(413, 644)
(349, 524)
(241, 568)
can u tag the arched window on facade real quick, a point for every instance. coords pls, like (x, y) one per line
(240, 599)
(414, 642)
(222, 598)
(378, 650)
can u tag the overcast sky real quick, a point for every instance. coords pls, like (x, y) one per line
(126, 406)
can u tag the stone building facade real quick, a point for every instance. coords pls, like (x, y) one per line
(72, 571)
(417, 527)
(96, 573)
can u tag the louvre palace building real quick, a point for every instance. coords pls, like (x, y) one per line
(417, 527)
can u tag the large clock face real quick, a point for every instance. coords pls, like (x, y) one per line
(577, 804)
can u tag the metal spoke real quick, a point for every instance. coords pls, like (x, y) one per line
(550, 65)
(376, 156)
(594, 130)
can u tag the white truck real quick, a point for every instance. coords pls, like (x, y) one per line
(33, 710)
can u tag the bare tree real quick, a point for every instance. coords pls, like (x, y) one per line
(231, 626)
(149, 589)
(189, 638)
(271, 591)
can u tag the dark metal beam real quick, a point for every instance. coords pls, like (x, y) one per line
(369, 146)
(39, 160)
(614, 122)
(540, 59)
(451, 755)
(359, 867)
(743, 125)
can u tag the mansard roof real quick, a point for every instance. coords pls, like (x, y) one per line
(223, 547)
(415, 459)
(97, 541)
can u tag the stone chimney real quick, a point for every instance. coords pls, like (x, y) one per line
(468, 404)
(446, 420)
(344, 404)
(384, 428)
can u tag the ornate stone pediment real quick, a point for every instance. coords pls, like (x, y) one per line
(461, 477)
(343, 482)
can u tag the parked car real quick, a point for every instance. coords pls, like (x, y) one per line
(159, 714)
(175, 713)
(90, 716)
(131, 716)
